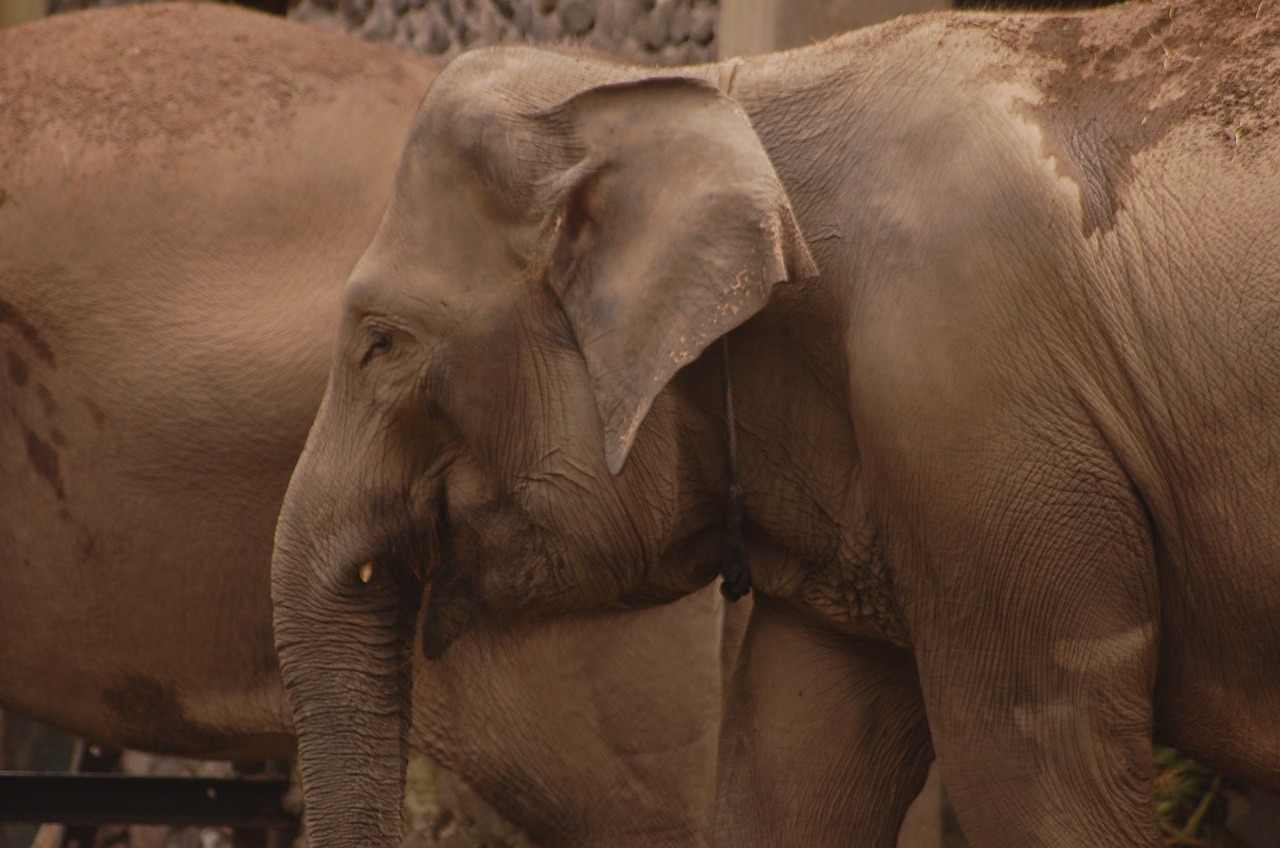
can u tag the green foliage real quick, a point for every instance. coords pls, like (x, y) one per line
(1191, 803)
(441, 812)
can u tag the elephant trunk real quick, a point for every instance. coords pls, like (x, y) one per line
(343, 630)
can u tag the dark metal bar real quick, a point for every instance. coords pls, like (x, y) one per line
(94, 799)
(88, 759)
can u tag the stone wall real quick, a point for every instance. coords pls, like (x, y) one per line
(667, 32)
(663, 31)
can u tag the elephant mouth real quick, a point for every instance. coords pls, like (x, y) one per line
(452, 607)
(485, 563)
(421, 538)
(449, 593)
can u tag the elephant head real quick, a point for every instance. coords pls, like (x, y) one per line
(553, 254)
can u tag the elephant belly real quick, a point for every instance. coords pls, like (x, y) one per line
(123, 675)
(119, 621)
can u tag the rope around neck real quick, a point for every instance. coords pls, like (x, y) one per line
(736, 576)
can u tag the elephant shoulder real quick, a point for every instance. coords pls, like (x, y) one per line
(1084, 104)
(1110, 94)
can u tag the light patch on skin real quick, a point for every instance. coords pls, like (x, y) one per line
(1170, 93)
(1116, 651)
(1045, 721)
(1018, 101)
(1097, 657)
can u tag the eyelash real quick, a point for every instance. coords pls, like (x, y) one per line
(379, 342)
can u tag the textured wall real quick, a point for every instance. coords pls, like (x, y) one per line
(668, 32)
(664, 31)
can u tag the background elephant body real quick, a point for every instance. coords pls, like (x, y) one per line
(172, 245)
(183, 190)
(1006, 413)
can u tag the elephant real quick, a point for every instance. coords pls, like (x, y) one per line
(183, 191)
(970, 315)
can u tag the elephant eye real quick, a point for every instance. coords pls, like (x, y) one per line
(379, 342)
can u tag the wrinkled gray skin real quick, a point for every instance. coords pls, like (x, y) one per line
(1007, 411)
(183, 191)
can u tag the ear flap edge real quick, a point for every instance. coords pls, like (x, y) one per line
(688, 245)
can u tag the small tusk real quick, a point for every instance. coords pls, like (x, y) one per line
(366, 572)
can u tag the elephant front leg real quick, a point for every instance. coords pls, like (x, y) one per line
(1033, 608)
(824, 740)
(1034, 755)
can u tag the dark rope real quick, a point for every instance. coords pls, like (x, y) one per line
(737, 577)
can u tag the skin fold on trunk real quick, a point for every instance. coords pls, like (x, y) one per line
(351, 719)
(343, 634)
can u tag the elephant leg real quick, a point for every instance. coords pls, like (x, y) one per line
(824, 740)
(1035, 625)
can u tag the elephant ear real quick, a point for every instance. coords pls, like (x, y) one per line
(671, 228)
